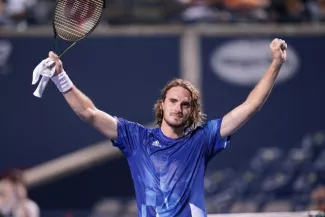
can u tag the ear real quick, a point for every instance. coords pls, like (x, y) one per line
(161, 106)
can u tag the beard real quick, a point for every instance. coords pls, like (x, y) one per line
(177, 125)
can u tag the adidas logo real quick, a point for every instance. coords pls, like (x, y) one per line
(156, 143)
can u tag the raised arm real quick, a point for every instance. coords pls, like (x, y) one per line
(256, 99)
(84, 107)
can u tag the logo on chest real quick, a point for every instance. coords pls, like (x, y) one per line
(156, 143)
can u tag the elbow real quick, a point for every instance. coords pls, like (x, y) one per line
(87, 115)
(254, 107)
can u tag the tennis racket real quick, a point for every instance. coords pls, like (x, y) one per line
(73, 20)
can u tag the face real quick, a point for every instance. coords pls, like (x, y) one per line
(6, 193)
(10, 191)
(177, 107)
(6, 188)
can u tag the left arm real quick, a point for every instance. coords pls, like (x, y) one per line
(255, 100)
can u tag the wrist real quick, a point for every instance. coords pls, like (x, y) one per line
(62, 82)
(277, 63)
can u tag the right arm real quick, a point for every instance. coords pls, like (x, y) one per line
(85, 108)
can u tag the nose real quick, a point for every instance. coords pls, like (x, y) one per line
(178, 108)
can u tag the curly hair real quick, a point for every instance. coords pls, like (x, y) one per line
(196, 117)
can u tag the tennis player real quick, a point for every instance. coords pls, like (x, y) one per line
(168, 163)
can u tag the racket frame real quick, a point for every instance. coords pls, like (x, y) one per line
(43, 83)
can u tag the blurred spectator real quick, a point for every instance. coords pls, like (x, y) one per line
(15, 13)
(318, 196)
(316, 9)
(285, 11)
(248, 10)
(20, 14)
(14, 201)
(289, 11)
(204, 11)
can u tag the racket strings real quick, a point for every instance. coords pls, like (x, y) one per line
(74, 19)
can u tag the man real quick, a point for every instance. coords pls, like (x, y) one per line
(14, 201)
(168, 163)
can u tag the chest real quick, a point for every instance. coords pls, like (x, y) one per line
(172, 157)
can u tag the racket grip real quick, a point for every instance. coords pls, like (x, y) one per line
(41, 87)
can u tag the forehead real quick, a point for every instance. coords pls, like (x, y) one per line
(179, 93)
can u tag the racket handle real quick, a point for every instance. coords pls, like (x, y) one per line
(41, 87)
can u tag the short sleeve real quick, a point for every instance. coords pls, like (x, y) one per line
(215, 142)
(128, 136)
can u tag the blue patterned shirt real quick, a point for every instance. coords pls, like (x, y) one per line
(168, 174)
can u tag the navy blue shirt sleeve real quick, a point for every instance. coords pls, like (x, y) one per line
(129, 135)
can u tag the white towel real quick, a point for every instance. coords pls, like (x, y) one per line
(45, 68)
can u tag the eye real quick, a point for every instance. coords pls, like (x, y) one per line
(173, 100)
(186, 105)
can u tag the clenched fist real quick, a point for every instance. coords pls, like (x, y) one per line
(278, 48)
(57, 61)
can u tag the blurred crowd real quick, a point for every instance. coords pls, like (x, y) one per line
(14, 200)
(287, 11)
(23, 13)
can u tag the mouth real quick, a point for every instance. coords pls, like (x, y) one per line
(177, 115)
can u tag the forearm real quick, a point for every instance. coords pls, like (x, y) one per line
(257, 97)
(254, 102)
(83, 106)
(80, 103)
(262, 90)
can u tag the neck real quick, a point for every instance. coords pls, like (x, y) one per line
(172, 132)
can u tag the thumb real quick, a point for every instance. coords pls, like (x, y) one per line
(58, 63)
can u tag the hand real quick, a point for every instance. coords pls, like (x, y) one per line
(20, 192)
(48, 67)
(58, 63)
(44, 68)
(278, 48)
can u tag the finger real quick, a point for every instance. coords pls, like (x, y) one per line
(275, 43)
(49, 63)
(53, 56)
(48, 71)
(279, 45)
(283, 45)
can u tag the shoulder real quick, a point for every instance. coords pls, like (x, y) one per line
(127, 128)
(125, 122)
(207, 126)
(213, 123)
